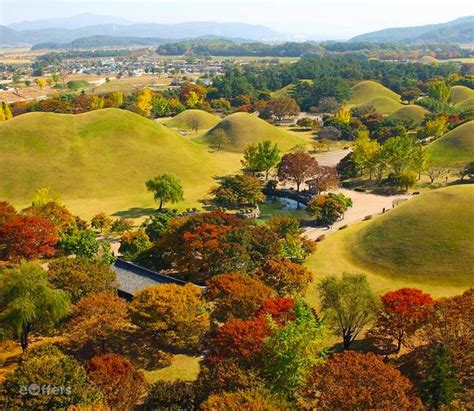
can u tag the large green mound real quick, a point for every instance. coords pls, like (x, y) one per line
(427, 239)
(460, 94)
(97, 155)
(465, 104)
(365, 91)
(412, 113)
(454, 147)
(383, 105)
(192, 119)
(244, 128)
(428, 60)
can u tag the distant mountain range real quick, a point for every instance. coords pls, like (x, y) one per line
(69, 29)
(460, 30)
(95, 31)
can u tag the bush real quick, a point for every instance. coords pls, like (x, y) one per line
(170, 395)
(321, 238)
(343, 227)
(367, 217)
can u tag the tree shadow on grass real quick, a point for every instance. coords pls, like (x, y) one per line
(135, 212)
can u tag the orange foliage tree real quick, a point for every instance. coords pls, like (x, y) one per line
(121, 384)
(96, 319)
(351, 380)
(56, 214)
(298, 167)
(27, 237)
(284, 276)
(236, 296)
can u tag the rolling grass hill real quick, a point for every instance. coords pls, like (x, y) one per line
(383, 105)
(243, 128)
(286, 91)
(100, 160)
(454, 147)
(428, 60)
(460, 94)
(413, 113)
(427, 239)
(468, 103)
(365, 91)
(187, 120)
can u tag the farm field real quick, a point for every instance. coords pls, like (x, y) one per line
(131, 84)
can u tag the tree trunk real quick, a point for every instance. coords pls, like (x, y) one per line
(347, 340)
(161, 204)
(103, 345)
(298, 183)
(24, 337)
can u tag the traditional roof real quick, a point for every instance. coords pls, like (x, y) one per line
(133, 278)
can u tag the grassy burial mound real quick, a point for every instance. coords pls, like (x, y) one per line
(413, 113)
(428, 60)
(365, 91)
(241, 129)
(383, 105)
(427, 239)
(99, 156)
(465, 104)
(460, 94)
(454, 147)
(287, 90)
(193, 119)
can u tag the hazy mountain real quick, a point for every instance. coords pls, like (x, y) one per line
(456, 31)
(74, 22)
(11, 36)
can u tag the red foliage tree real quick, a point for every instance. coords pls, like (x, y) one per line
(27, 237)
(240, 340)
(236, 296)
(56, 214)
(297, 166)
(403, 312)
(351, 380)
(280, 309)
(122, 386)
(7, 212)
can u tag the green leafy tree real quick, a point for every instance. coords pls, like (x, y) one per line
(120, 225)
(101, 221)
(81, 243)
(134, 243)
(262, 158)
(238, 191)
(440, 386)
(439, 90)
(365, 153)
(290, 352)
(157, 224)
(28, 302)
(348, 303)
(47, 368)
(165, 188)
(217, 139)
(45, 195)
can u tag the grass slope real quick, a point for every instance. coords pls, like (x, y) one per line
(100, 160)
(365, 91)
(383, 105)
(465, 104)
(413, 113)
(244, 128)
(454, 147)
(428, 60)
(460, 94)
(428, 239)
(187, 120)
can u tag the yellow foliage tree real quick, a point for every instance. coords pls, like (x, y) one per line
(6, 111)
(343, 115)
(176, 316)
(2, 115)
(143, 102)
(41, 82)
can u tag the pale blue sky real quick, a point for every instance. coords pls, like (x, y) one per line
(330, 18)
